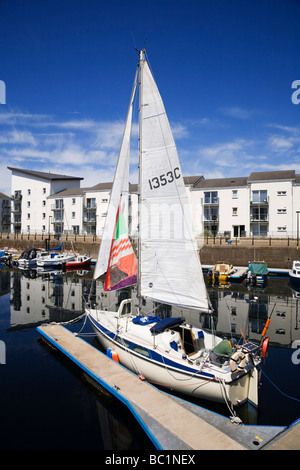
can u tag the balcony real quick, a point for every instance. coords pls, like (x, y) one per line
(263, 201)
(89, 207)
(55, 207)
(57, 220)
(213, 219)
(259, 218)
(17, 196)
(89, 221)
(16, 208)
(213, 201)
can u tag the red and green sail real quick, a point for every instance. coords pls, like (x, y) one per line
(122, 263)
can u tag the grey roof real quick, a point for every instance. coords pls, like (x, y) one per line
(133, 188)
(272, 175)
(44, 175)
(101, 187)
(192, 180)
(222, 182)
(68, 192)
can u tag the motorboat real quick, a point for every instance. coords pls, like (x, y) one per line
(257, 273)
(55, 259)
(294, 273)
(80, 262)
(221, 272)
(30, 256)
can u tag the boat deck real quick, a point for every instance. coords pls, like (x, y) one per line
(169, 422)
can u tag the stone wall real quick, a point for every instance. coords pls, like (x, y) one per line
(280, 256)
(275, 257)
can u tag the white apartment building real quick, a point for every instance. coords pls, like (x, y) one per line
(5, 211)
(262, 204)
(31, 212)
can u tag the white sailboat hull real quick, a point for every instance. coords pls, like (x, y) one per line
(170, 371)
(57, 260)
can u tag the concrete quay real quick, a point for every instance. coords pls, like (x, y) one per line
(170, 423)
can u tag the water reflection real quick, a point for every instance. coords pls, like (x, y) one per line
(59, 297)
(42, 297)
(71, 398)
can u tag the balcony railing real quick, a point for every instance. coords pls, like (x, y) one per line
(89, 207)
(214, 201)
(259, 218)
(54, 207)
(260, 201)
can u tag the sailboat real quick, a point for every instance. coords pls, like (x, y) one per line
(164, 266)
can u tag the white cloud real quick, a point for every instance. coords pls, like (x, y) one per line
(280, 143)
(17, 137)
(89, 148)
(237, 112)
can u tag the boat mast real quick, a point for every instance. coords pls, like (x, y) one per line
(141, 61)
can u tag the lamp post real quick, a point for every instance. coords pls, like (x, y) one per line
(297, 212)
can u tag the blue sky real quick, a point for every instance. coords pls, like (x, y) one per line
(224, 68)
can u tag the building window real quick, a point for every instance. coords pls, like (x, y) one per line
(91, 203)
(73, 215)
(44, 215)
(234, 211)
(44, 203)
(28, 216)
(59, 204)
(260, 196)
(281, 211)
(211, 197)
(28, 203)
(44, 190)
(28, 192)
(234, 194)
(281, 193)
(73, 200)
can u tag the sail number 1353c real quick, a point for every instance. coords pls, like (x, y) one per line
(164, 179)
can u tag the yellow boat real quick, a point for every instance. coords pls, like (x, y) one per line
(221, 271)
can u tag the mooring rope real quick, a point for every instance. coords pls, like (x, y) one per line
(277, 388)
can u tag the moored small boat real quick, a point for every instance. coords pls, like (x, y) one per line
(257, 273)
(80, 262)
(221, 272)
(30, 256)
(55, 259)
(294, 273)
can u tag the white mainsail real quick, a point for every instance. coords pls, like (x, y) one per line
(170, 267)
(119, 193)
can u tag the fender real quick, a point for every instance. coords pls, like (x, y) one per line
(264, 347)
(237, 361)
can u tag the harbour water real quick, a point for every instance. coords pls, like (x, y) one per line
(47, 403)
